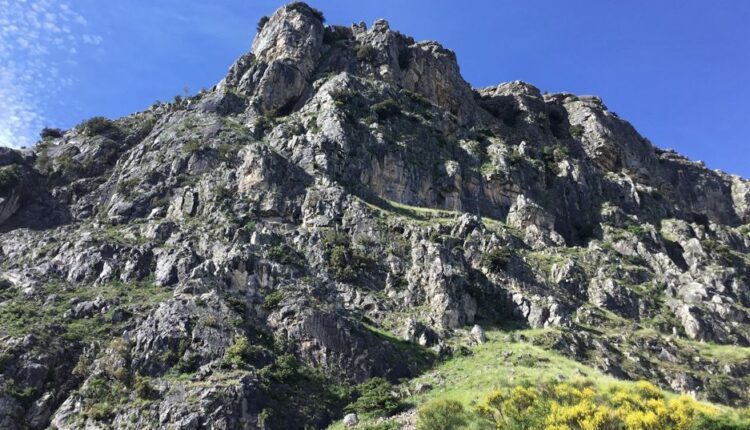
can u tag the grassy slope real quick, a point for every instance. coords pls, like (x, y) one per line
(505, 360)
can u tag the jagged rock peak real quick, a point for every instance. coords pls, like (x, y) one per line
(287, 57)
(294, 33)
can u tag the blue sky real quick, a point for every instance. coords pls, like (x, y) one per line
(677, 69)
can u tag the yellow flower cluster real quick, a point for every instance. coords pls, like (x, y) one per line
(579, 406)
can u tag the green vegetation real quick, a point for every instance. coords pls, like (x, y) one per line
(42, 161)
(346, 261)
(20, 316)
(302, 7)
(496, 259)
(442, 414)
(101, 397)
(515, 157)
(367, 53)
(508, 383)
(127, 187)
(342, 97)
(375, 397)
(272, 300)
(295, 390)
(50, 133)
(553, 155)
(286, 255)
(193, 147)
(143, 388)
(388, 108)
(99, 126)
(8, 387)
(577, 131)
(579, 405)
(261, 23)
(9, 177)
(722, 422)
(416, 97)
(239, 354)
(724, 252)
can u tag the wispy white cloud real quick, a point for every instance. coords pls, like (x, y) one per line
(37, 38)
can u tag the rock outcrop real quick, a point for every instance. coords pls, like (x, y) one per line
(340, 207)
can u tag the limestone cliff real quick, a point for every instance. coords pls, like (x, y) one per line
(224, 260)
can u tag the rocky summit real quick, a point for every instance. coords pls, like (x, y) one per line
(344, 206)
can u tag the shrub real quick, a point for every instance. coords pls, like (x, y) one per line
(260, 125)
(302, 8)
(272, 299)
(126, 187)
(101, 397)
(367, 53)
(555, 153)
(67, 163)
(576, 130)
(443, 414)
(143, 389)
(239, 353)
(581, 406)
(417, 98)
(386, 109)
(375, 398)
(342, 97)
(496, 260)
(723, 422)
(42, 161)
(99, 126)
(9, 177)
(50, 133)
(188, 362)
(517, 409)
(340, 261)
(286, 255)
(192, 147)
(345, 261)
(284, 369)
(261, 23)
(552, 155)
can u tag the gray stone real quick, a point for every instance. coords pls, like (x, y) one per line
(351, 420)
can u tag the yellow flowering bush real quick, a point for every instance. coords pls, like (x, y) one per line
(581, 406)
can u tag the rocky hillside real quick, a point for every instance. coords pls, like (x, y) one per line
(340, 207)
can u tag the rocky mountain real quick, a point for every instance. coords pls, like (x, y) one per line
(343, 206)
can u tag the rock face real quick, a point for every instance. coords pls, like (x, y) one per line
(227, 260)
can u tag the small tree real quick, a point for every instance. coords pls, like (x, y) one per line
(496, 260)
(261, 23)
(50, 133)
(239, 353)
(376, 398)
(366, 53)
(444, 414)
(99, 126)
